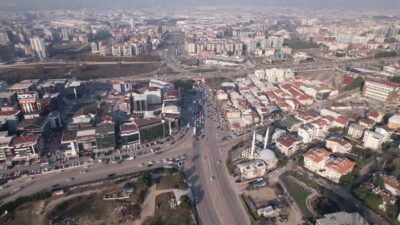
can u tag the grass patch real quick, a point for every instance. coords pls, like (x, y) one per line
(298, 194)
(172, 180)
(307, 181)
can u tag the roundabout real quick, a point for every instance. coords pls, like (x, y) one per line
(320, 205)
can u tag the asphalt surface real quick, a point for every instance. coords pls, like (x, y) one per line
(217, 201)
(97, 171)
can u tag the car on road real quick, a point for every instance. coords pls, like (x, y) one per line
(70, 179)
(219, 161)
(83, 171)
(141, 165)
(212, 178)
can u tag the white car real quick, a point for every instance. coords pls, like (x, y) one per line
(141, 165)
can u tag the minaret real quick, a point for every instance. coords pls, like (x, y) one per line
(266, 138)
(253, 144)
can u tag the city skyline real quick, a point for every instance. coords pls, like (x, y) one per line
(48, 4)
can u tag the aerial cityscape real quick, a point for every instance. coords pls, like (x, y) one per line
(199, 113)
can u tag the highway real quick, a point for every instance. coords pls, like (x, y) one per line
(97, 171)
(70, 63)
(218, 202)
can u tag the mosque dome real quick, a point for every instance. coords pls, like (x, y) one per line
(268, 155)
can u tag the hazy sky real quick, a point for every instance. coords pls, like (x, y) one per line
(42, 4)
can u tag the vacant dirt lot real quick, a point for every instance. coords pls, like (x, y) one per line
(84, 72)
(84, 206)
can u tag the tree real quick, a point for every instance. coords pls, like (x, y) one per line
(386, 54)
(301, 160)
(346, 179)
(145, 179)
(357, 83)
(395, 79)
(168, 172)
(368, 197)
(185, 202)
(180, 177)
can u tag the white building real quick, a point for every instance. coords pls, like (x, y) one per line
(275, 75)
(338, 145)
(69, 145)
(342, 218)
(307, 132)
(394, 122)
(381, 90)
(154, 95)
(372, 140)
(163, 85)
(39, 48)
(27, 147)
(252, 169)
(385, 131)
(5, 146)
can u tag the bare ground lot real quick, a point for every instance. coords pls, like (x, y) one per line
(83, 206)
(84, 72)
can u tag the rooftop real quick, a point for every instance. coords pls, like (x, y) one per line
(391, 181)
(68, 136)
(340, 165)
(20, 86)
(25, 139)
(384, 82)
(342, 218)
(317, 155)
(129, 127)
(287, 140)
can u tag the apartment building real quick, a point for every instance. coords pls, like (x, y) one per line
(69, 144)
(391, 183)
(335, 168)
(27, 147)
(6, 149)
(381, 90)
(130, 135)
(320, 161)
(355, 131)
(338, 145)
(315, 159)
(372, 140)
(288, 144)
(394, 122)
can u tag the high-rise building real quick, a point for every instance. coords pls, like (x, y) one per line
(39, 48)
(132, 23)
(65, 34)
(7, 52)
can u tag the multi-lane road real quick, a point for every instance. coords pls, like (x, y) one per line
(216, 199)
(96, 171)
(218, 203)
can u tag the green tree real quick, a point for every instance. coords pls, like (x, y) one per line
(181, 180)
(301, 160)
(168, 172)
(357, 83)
(395, 79)
(185, 202)
(145, 179)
